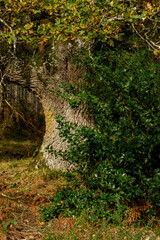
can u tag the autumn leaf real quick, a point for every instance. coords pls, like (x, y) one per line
(149, 6)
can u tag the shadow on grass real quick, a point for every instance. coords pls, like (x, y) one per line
(11, 149)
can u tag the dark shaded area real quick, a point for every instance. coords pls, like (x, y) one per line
(21, 130)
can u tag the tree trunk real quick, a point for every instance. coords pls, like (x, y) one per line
(42, 80)
(1, 101)
(54, 106)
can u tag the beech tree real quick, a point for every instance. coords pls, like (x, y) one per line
(39, 38)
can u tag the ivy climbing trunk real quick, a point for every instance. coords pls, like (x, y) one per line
(42, 78)
(54, 106)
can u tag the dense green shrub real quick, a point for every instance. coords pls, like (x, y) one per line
(120, 156)
(71, 201)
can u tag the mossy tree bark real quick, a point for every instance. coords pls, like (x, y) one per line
(42, 78)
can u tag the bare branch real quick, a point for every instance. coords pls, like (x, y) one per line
(19, 114)
(153, 45)
(116, 18)
(14, 36)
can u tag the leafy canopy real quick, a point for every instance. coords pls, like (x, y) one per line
(37, 21)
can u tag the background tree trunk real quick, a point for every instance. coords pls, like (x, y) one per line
(1, 101)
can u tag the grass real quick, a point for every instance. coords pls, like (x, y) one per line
(22, 190)
(70, 229)
(14, 149)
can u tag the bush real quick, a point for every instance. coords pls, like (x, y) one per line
(121, 155)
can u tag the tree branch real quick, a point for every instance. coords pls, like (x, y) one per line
(14, 36)
(153, 45)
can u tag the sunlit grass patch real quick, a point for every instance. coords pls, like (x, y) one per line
(14, 164)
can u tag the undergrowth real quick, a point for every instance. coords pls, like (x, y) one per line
(71, 229)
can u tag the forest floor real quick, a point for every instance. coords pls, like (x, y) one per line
(23, 188)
